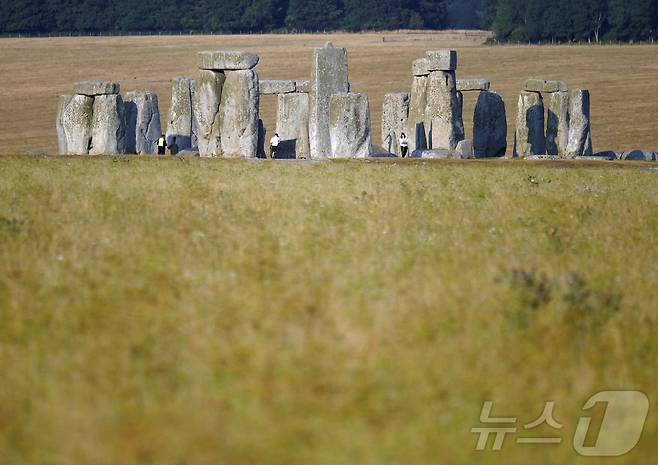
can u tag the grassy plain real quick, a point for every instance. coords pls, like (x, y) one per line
(203, 312)
(35, 71)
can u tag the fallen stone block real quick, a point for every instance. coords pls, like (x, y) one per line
(271, 87)
(439, 154)
(329, 76)
(74, 117)
(238, 114)
(444, 111)
(529, 137)
(640, 155)
(143, 127)
(609, 154)
(93, 88)
(349, 126)
(205, 109)
(599, 156)
(557, 127)
(542, 157)
(580, 136)
(108, 132)
(442, 60)
(180, 124)
(464, 149)
(543, 85)
(489, 126)
(395, 111)
(420, 67)
(292, 125)
(221, 60)
(417, 113)
(303, 86)
(471, 85)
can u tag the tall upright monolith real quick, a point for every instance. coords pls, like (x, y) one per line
(108, 130)
(557, 126)
(74, 124)
(142, 122)
(239, 114)
(580, 135)
(489, 126)
(207, 97)
(180, 113)
(529, 138)
(444, 111)
(395, 111)
(349, 126)
(292, 125)
(417, 113)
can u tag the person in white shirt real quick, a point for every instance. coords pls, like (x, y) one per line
(404, 144)
(274, 145)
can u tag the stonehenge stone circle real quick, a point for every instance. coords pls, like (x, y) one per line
(269, 87)
(108, 126)
(469, 85)
(206, 111)
(181, 120)
(142, 122)
(93, 88)
(329, 75)
(489, 126)
(292, 125)
(543, 85)
(442, 60)
(580, 137)
(238, 114)
(446, 125)
(557, 126)
(417, 109)
(529, 138)
(74, 124)
(395, 112)
(349, 126)
(226, 60)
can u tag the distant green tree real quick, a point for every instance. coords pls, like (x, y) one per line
(314, 14)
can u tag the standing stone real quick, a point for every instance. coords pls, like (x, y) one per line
(205, 108)
(180, 114)
(395, 112)
(580, 136)
(529, 138)
(460, 102)
(444, 112)
(489, 126)
(292, 125)
(238, 114)
(262, 133)
(329, 75)
(417, 109)
(74, 124)
(349, 126)
(142, 122)
(557, 127)
(108, 134)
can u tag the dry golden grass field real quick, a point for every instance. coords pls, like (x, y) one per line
(33, 72)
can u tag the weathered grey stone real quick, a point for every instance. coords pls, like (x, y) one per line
(143, 127)
(417, 109)
(207, 97)
(395, 112)
(180, 123)
(469, 85)
(349, 126)
(529, 138)
(270, 87)
(606, 155)
(262, 134)
(303, 86)
(221, 60)
(329, 75)
(489, 126)
(239, 114)
(74, 124)
(543, 157)
(420, 66)
(640, 155)
(580, 136)
(93, 88)
(108, 135)
(543, 85)
(557, 128)
(442, 60)
(439, 154)
(292, 125)
(444, 111)
(460, 102)
(464, 149)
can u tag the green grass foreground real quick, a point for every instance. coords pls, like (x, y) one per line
(201, 312)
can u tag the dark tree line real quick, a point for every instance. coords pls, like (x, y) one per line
(513, 20)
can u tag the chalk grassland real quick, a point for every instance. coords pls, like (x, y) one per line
(35, 71)
(228, 312)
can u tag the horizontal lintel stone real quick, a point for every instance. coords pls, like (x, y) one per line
(271, 87)
(420, 67)
(466, 85)
(442, 60)
(226, 60)
(543, 85)
(303, 86)
(92, 88)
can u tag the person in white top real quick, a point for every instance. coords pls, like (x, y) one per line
(404, 144)
(274, 145)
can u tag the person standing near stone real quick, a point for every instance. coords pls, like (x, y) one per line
(162, 145)
(274, 145)
(404, 145)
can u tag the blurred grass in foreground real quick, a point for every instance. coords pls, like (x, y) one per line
(229, 312)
